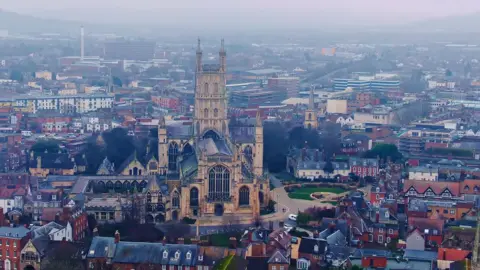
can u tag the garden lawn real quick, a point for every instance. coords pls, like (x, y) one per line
(304, 193)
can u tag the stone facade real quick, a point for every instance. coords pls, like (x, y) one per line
(208, 173)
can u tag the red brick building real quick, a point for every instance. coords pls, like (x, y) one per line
(77, 218)
(12, 240)
(364, 166)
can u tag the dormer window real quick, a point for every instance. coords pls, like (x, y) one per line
(189, 255)
(39, 197)
(429, 193)
(165, 254)
(177, 254)
(54, 197)
(387, 214)
(200, 257)
(315, 248)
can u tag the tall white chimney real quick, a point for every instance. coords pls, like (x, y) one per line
(82, 45)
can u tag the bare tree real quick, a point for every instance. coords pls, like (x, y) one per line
(175, 230)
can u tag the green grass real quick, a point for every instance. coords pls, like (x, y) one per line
(221, 239)
(224, 263)
(304, 193)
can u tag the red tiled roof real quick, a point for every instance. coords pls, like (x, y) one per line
(451, 254)
(8, 193)
(437, 187)
(48, 214)
(469, 186)
(425, 223)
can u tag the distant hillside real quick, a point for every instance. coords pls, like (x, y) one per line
(24, 24)
(462, 23)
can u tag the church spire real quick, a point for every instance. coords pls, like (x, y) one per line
(311, 100)
(259, 119)
(199, 56)
(223, 57)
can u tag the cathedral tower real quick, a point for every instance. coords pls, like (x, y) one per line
(311, 120)
(162, 146)
(210, 117)
(258, 159)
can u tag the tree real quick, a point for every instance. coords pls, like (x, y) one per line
(328, 168)
(16, 75)
(64, 255)
(119, 146)
(175, 230)
(50, 146)
(356, 267)
(275, 146)
(116, 81)
(448, 73)
(94, 154)
(303, 218)
(384, 152)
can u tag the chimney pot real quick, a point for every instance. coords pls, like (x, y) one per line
(117, 237)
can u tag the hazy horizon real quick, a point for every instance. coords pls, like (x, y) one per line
(249, 12)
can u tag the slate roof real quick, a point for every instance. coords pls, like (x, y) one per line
(155, 253)
(14, 232)
(278, 257)
(53, 161)
(307, 246)
(259, 263)
(46, 229)
(420, 254)
(215, 147)
(143, 252)
(102, 247)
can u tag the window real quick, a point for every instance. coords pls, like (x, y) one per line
(274, 267)
(215, 112)
(165, 254)
(189, 255)
(14, 244)
(7, 242)
(370, 229)
(177, 255)
(282, 267)
(452, 211)
(39, 197)
(445, 211)
(388, 240)
(390, 231)
(380, 230)
(54, 197)
(164, 267)
(380, 239)
(171, 267)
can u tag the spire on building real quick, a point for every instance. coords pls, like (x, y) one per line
(161, 121)
(222, 46)
(199, 48)
(259, 119)
(311, 99)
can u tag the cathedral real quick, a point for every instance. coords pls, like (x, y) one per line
(209, 172)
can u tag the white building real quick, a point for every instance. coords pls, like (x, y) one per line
(54, 231)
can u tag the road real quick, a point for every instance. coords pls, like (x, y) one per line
(292, 206)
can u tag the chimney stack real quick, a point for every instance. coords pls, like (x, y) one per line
(117, 237)
(82, 44)
(232, 242)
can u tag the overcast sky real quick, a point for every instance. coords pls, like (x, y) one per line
(243, 11)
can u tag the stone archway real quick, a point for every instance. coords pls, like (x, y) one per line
(149, 219)
(160, 218)
(219, 210)
(175, 215)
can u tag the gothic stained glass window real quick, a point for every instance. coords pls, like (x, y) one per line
(219, 183)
